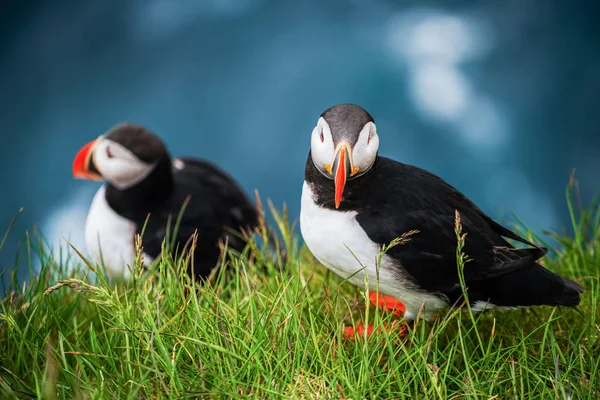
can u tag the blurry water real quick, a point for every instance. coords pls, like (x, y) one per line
(499, 98)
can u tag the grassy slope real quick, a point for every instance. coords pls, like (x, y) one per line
(266, 333)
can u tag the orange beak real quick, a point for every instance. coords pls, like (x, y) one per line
(83, 164)
(343, 168)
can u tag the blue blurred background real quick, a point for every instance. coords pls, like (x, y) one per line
(500, 98)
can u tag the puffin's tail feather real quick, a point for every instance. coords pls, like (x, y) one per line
(530, 286)
(572, 294)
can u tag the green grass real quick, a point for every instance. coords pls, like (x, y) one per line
(266, 332)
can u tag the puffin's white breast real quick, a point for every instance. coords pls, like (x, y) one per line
(110, 237)
(338, 241)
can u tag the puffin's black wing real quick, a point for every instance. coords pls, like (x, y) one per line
(221, 196)
(216, 207)
(418, 200)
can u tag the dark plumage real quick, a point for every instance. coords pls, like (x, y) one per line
(394, 198)
(346, 120)
(217, 208)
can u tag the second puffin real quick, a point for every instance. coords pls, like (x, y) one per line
(145, 184)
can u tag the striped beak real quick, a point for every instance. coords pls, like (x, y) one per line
(342, 168)
(83, 164)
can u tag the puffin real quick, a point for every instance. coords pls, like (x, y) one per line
(354, 202)
(146, 192)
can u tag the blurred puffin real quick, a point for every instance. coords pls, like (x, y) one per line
(354, 201)
(144, 184)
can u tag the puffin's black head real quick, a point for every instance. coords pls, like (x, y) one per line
(124, 156)
(344, 144)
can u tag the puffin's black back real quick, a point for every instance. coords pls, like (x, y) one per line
(394, 198)
(216, 206)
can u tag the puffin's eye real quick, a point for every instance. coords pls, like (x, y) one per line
(322, 137)
(109, 153)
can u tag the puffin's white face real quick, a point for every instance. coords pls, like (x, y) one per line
(106, 159)
(361, 156)
(118, 165)
(341, 159)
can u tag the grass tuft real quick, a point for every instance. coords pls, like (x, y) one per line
(270, 325)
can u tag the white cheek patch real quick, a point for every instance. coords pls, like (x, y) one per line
(366, 147)
(122, 168)
(322, 151)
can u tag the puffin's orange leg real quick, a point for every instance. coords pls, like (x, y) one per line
(388, 303)
(351, 333)
(384, 303)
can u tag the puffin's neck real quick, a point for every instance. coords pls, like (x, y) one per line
(323, 188)
(143, 197)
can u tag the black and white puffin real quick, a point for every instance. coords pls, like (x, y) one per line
(354, 201)
(144, 184)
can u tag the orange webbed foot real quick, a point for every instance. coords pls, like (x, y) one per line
(388, 303)
(352, 333)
